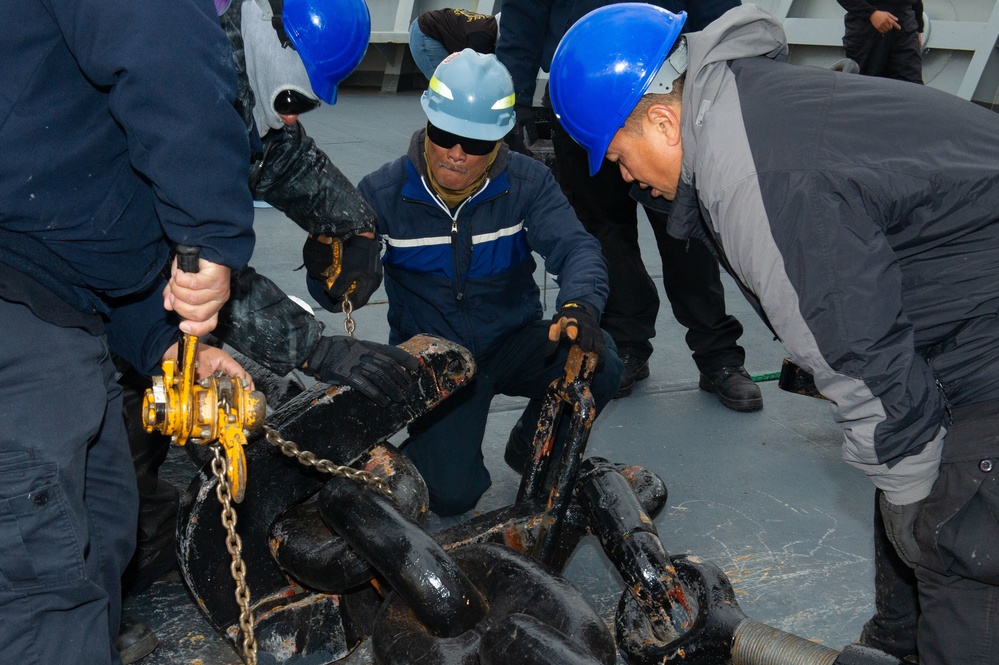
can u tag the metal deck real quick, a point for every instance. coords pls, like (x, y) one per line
(763, 495)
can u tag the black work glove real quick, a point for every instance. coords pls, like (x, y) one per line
(579, 322)
(353, 268)
(900, 528)
(524, 132)
(378, 371)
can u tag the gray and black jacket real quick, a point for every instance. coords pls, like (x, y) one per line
(875, 258)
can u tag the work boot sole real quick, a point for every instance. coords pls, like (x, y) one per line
(751, 404)
(137, 642)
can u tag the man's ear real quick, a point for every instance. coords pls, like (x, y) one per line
(666, 120)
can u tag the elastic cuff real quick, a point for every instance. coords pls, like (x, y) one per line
(912, 494)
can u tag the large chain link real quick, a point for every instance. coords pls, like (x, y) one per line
(326, 466)
(235, 546)
(348, 321)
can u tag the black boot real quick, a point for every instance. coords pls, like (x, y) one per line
(636, 368)
(135, 641)
(734, 388)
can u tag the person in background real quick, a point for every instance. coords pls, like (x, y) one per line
(461, 216)
(691, 277)
(883, 37)
(104, 171)
(437, 33)
(875, 261)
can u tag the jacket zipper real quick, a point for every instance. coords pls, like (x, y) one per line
(456, 280)
(454, 258)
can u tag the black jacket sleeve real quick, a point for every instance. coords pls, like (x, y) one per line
(520, 47)
(260, 321)
(860, 8)
(298, 178)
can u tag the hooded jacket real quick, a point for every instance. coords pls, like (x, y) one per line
(874, 258)
(468, 275)
(289, 171)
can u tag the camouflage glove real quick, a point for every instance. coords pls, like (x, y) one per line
(351, 268)
(579, 322)
(380, 372)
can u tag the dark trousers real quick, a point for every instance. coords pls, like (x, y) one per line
(691, 276)
(957, 529)
(68, 499)
(893, 55)
(158, 498)
(446, 444)
(947, 610)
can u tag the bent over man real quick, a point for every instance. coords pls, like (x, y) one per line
(876, 262)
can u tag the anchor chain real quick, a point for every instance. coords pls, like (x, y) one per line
(309, 459)
(234, 544)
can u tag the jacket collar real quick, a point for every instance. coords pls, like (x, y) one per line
(743, 32)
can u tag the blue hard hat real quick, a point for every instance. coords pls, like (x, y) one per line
(331, 36)
(604, 64)
(471, 95)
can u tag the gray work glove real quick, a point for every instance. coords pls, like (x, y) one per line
(380, 372)
(900, 527)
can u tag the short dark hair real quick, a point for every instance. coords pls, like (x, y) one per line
(672, 98)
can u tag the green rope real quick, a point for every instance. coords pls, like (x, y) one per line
(772, 376)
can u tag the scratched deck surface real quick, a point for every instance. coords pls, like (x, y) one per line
(763, 495)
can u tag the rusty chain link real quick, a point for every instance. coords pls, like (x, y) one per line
(235, 546)
(326, 466)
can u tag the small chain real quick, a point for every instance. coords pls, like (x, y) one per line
(348, 321)
(234, 543)
(235, 546)
(309, 459)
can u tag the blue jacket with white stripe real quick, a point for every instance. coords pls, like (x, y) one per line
(467, 274)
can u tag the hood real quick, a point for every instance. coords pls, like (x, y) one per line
(270, 67)
(742, 32)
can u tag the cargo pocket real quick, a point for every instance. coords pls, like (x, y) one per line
(958, 524)
(38, 544)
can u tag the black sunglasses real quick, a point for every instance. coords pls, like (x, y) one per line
(447, 140)
(292, 102)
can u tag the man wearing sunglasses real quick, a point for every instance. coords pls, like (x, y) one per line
(875, 262)
(460, 216)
